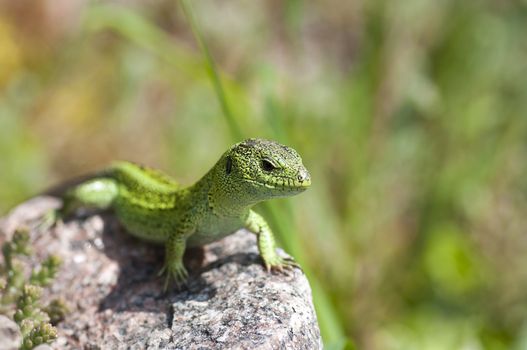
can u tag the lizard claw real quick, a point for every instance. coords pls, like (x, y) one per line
(282, 265)
(291, 264)
(176, 272)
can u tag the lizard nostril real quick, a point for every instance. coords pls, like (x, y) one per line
(303, 175)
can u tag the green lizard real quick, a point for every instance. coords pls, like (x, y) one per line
(153, 207)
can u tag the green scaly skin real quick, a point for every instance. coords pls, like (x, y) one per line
(153, 207)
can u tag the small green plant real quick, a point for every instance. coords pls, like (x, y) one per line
(20, 296)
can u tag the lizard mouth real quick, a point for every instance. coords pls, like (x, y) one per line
(288, 185)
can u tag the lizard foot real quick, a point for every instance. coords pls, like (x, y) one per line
(49, 220)
(176, 272)
(277, 263)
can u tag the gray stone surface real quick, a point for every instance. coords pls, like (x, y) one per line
(10, 337)
(43, 347)
(108, 278)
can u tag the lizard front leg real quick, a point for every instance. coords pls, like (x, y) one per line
(267, 244)
(174, 250)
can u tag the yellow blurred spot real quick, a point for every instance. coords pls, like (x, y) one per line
(9, 53)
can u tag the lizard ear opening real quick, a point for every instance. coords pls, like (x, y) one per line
(228, 165)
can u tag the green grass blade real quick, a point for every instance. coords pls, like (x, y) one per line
(212, 71)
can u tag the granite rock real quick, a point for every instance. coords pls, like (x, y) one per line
(109, 280)
(10, 337)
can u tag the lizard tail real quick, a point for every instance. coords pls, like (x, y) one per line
(60, 190)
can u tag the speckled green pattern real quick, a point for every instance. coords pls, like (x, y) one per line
(154, 207)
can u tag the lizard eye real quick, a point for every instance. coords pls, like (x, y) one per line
(228, 165)
(267, 165)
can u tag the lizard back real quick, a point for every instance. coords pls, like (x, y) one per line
(143, 186)
(146, 200)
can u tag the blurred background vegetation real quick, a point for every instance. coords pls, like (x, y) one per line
(411, 116)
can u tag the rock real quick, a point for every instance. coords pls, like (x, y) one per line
(10, 337)
(43, 347)
(109, 280)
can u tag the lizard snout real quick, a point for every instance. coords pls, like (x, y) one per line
(304, 177)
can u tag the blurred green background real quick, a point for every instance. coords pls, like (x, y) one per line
(411, 116)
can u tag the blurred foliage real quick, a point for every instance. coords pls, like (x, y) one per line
(410, 115)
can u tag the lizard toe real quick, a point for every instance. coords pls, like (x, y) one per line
(49, 220)
(281, 265)
(176, 273)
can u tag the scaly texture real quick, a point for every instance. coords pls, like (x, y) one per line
(153, 207)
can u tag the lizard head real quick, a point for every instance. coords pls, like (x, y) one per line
(265, 169)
